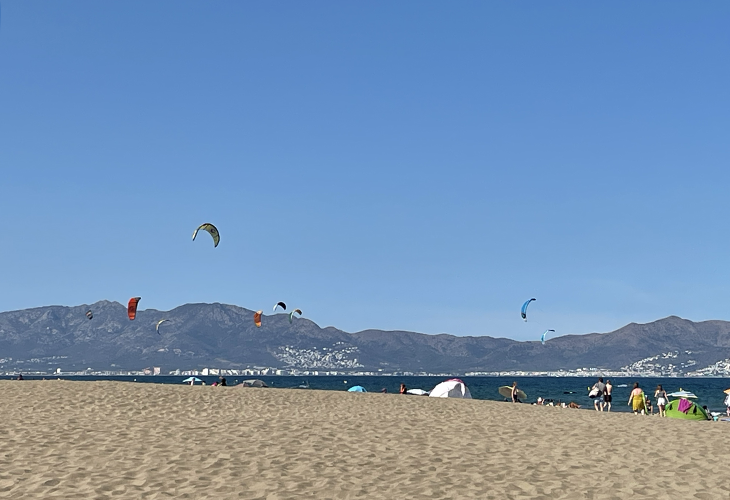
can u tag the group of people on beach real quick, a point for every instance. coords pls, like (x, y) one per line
(641, 403)
(603, 397)
(602, 394)
(638, 400)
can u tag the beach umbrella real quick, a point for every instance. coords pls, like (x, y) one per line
(356, 388)
(191, 380)
(726, 391)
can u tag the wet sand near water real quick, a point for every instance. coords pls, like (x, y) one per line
(98, 440)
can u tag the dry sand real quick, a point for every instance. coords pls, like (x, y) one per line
(80, 440)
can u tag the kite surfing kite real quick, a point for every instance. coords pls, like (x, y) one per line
(132, 307)
(291, 314)
(257, 318)
(524, 309)
(542, 339)
(158, 325)
(212, 230)
(280, 304)
(89, 314)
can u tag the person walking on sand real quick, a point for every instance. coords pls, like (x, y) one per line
(661, 400)
(515, 399)
(607, 398)
(598, 402)
(636, 399)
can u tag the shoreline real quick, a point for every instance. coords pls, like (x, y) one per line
(196, 373)
(710, 391)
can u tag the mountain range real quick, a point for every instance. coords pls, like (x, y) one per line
(224, 336)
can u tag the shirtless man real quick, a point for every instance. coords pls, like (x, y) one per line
(607, 398)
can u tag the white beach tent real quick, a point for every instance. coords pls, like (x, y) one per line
(452, 388)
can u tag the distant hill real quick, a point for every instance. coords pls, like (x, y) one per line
(219, 335)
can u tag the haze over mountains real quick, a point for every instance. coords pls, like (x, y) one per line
(224, 336)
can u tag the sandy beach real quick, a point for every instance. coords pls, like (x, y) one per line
(99, 440)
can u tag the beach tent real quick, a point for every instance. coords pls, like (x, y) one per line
(191, 380)
(694, 411)
(452, 388)
(417, 392)
(356, 388)
(254, 382)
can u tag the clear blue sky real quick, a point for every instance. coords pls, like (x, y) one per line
(422, 166)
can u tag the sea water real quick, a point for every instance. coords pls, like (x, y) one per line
(709, 391)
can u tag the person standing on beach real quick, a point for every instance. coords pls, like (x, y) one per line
(661, 400)
(608, 398)
(598, 402)
(515, 399)
(636, 399)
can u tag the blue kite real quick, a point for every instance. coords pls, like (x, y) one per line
(542, 339)
(524, 309)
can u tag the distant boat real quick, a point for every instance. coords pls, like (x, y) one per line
(622, 385)
(681, 394)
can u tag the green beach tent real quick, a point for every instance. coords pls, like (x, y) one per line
(694, 411)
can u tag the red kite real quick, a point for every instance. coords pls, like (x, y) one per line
(132, 307)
